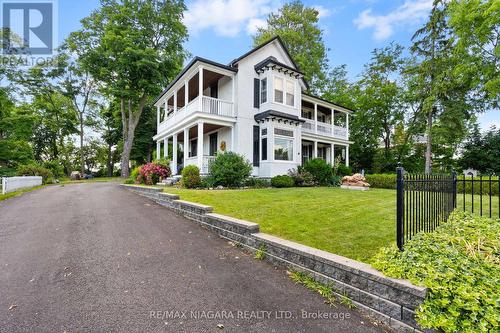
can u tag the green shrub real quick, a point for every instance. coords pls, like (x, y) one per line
(282, 181)
(336, 181)
(135, 175)
(35, 170)
(257, 182)
(55, 167)
(343, 170)
(229, 169)
(382, 180)
(302, 178)
(320, 170)
(459, 263)
(191, 177)
(477, 188)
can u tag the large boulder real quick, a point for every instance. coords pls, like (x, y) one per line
(75, 175)
(355, 180)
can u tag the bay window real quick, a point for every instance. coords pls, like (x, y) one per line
(278, 90)
(283, 145)
(290, 93)
(263, 91)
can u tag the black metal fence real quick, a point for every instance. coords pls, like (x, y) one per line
(425, 201)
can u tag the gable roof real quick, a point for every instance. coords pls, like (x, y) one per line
(275, 38)
(188, 66)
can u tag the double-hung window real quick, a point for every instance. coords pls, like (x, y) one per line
(283, 145)
(263, 91)
(290, 93)
(278, 90)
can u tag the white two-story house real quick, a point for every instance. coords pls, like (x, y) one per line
(256, 106)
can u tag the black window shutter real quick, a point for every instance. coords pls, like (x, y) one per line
(256, 131)
(256, 92)
(264, 149)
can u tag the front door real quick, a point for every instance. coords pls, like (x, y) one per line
(212, 146)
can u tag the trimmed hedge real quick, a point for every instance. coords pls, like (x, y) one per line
(35, 170)
(460, 264)
(282, 181)
(389, 181)
(382, 180)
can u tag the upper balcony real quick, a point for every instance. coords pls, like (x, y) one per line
(322, 120)
(203, 89)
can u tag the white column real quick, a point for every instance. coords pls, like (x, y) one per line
(332, 154)
(232, 139)
(175, 101)
(315, 118)
(347, 155)
(165, 147)
(165, 106)
(186, 92)
(174, 154)
(199, 150)
(158, 149)
(347, 126)
(158, 119)
(186, 146)
(315, 149)
(200, 88)
(233, 96)
(332, 120)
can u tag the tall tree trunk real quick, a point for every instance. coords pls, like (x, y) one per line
(82, 153)
(129, 122)
(428, 150)
(110, 161)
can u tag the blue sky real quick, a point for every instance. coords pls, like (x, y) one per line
(221, 29)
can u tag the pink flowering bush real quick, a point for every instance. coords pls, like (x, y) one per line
(152, 173)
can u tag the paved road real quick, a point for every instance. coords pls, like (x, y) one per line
(97, 258)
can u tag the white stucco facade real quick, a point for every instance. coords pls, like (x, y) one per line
(255, 106)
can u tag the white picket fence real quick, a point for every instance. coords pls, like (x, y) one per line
(11, 184)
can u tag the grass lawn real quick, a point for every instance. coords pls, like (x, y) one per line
(16, 193)
(354, 224)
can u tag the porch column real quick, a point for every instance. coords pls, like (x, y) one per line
(332, 118)
(166, 108)
(347, 127)
(232, 138)
(347, 155)
(315, 118)
(199, 150)
(186, 146)
(158, 118)
(158, 149)
(165, 147)
(315, 149)
(233, 96)
(332, 154)
(200, 88)
(174, 154)
(175, 101)
(186, 92)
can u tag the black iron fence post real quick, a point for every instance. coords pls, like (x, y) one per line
(454, 198)
(400, 207)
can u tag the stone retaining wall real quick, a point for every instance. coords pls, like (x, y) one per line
(388, 300)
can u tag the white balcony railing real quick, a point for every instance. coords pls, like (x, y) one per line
(217, 106)
(310, 126)
(209, 105)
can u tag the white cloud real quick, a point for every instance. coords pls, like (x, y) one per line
(228, 17)
(409, 13)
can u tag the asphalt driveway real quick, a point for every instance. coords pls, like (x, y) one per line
(97, 258)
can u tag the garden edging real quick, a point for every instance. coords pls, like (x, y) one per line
(388, 300)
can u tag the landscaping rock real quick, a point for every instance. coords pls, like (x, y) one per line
(355, 180)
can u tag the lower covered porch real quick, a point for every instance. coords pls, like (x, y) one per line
(328, 151)
(196, 144)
